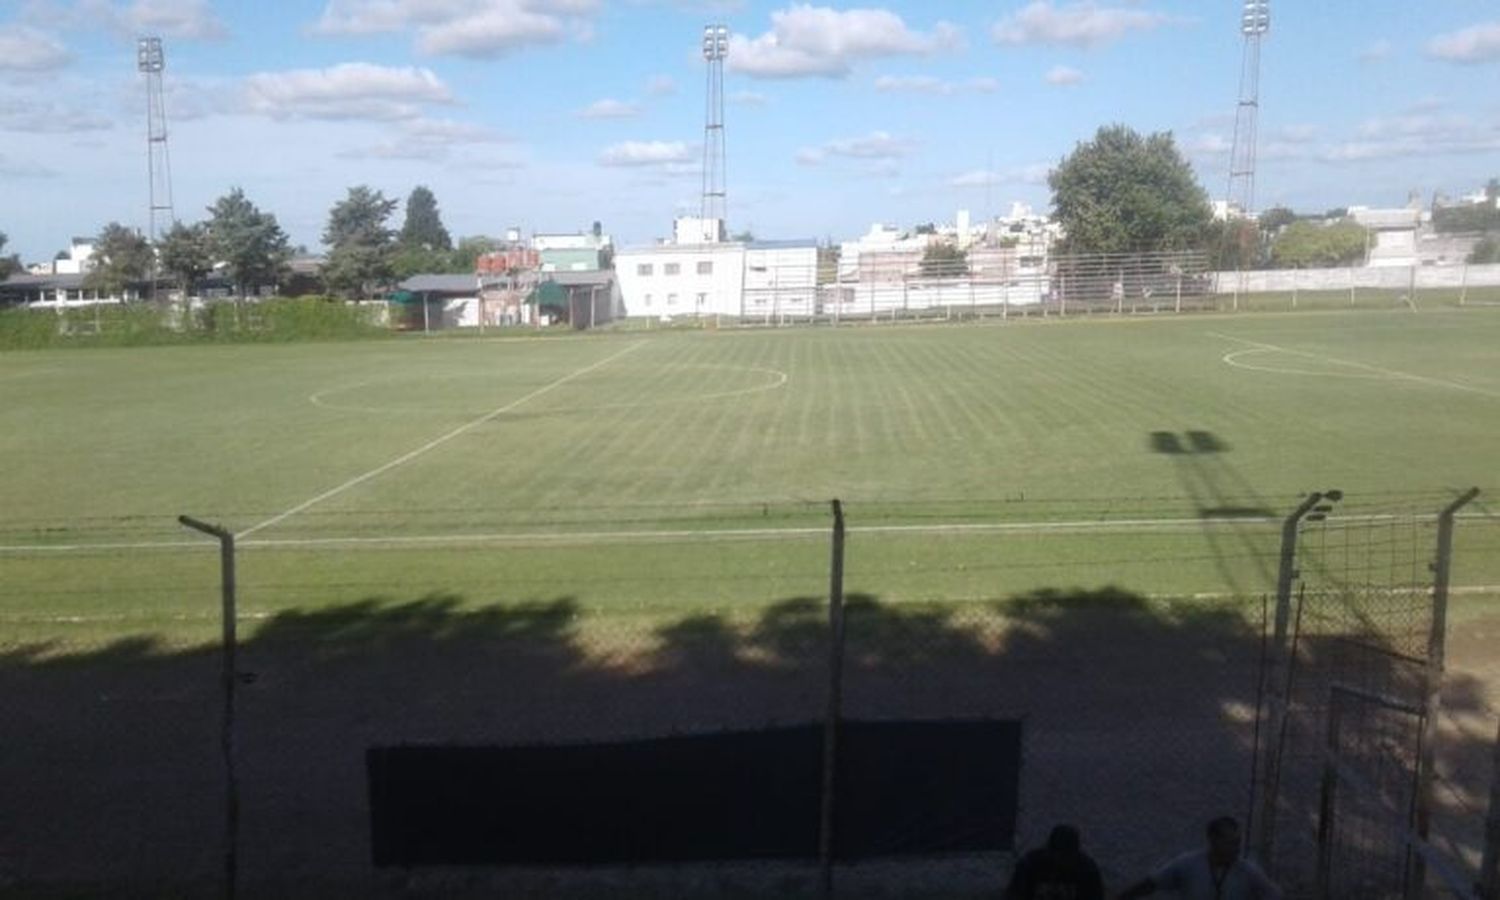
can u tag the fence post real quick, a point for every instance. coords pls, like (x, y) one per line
(228, 676)
(1265, 833)
(1328, 802)
(1463, 287)
(1437, 648)
(835, 700)
(1489, 869)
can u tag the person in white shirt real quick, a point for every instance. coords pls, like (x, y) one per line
(1215, 873)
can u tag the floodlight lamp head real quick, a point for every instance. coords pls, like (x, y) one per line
(1257, 17)
(715, 42)
(148, 55)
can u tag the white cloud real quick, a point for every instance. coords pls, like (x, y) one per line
(818, 41)
(929, 84)
(1079, 24)
(749, 98)
(183, 19)
(1063, 76)
(879, 146)
(1031, 174)
(661, 85)
(646, 153)
(1210, 145)
(1378, 51)
(20, 114)
(609, 109)
(1475, 44)
(472, 28)
(20, 168)
(346, 91)
(186, 20)
(24, 49)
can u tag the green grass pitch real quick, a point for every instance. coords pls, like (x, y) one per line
(675, 472)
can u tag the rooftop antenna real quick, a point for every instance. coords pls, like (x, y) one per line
(714, 205)
(151, 62)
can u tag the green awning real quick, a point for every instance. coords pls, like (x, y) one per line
(549, 294)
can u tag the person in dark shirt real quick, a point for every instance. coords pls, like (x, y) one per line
(1058, 871)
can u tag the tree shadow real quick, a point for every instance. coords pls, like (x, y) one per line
(1139, 720)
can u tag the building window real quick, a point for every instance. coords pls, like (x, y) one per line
(702, 300)
(648, 301)
(671, 299)
(706, 268)
(643, 270)
(672, 269)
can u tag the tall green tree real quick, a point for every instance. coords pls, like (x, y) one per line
(1234, 245)
(186, 254)
(9, 265)
(1311, 245)
(423, 227)
(122, 256)
(249, 242)
(944, 260)
(1125, 193)
(361, 248)
(465, 258)
(1276, 218)
(1486, 251)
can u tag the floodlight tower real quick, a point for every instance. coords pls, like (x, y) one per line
(1254, 24)
(714, 209)
(151, 62)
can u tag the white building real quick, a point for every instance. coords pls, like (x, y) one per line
(1393, 235)
(79, 258)
(770, 279)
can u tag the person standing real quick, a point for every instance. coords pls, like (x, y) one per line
(1058, 871)
(1217, 872)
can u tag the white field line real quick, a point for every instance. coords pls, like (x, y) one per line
(1388, 373)
(435, 442)
(687, 535)
(1473, 590)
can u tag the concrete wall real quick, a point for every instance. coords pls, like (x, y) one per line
(781, 281)
(1427, 278)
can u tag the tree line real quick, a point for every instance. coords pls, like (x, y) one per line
(364, 257)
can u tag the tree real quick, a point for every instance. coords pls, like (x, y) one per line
(744, 237)
(465, 258)
(1276, 218)
(121, 256)
(1124, 193)
(1486, 251)
(249, 242)
(360, 246)
(9, 265)
(186, 254)
(1235, 245)
(926, 228)
(1311, 245)
(409, 261)
(944, 260)
(424, 226)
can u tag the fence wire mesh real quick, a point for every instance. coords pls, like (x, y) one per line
(1126, 639)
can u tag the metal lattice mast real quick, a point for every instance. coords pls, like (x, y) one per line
(714, 205)
(151, 62)
(1254, 25)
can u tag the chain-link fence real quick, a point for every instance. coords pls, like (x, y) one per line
(1131, 643)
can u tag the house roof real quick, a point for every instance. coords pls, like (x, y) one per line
(584, 278)
(71, 282)
(441, 284)
(798, 244)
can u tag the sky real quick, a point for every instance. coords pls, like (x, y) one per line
(548, 115)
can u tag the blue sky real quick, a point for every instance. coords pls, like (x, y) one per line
(549, 114)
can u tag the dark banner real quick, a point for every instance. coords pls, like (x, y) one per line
(905, 788)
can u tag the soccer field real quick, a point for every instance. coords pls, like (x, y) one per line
(592, 537)
(684, 469)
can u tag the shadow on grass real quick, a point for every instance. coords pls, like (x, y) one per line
(113, 770)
